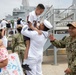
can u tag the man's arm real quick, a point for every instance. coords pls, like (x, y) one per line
(73, 65)
(3, 63)
(26, 32)
(3, 32)
(57, 43)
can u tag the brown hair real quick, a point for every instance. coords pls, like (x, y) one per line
(41, 6)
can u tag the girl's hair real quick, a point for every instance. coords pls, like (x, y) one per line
(0, 34)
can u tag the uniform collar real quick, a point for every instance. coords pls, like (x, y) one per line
(45, 33)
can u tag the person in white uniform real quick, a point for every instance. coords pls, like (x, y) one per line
(35, 54)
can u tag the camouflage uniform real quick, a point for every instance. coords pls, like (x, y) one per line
(70, 46)
(18, 45)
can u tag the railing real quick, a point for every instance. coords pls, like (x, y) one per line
(47, 13)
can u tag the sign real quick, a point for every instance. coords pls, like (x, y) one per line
(13, 67)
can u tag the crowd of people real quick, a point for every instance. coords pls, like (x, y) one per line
(29, 39)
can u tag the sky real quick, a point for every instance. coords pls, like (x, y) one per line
(6, 6)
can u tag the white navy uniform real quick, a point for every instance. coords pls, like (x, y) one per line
(35, 51)
(35, 54)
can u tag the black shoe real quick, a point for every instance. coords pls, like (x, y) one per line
(26, 67)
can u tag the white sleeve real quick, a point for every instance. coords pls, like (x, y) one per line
(30, 34)
(15, 25)
(22, 23)
(30, 18)
(11, 25)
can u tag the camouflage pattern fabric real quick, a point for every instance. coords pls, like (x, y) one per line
(70, 46)
(18, 45)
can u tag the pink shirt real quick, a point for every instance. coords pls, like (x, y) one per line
(3, 54)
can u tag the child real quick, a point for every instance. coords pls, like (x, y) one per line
(3, 55)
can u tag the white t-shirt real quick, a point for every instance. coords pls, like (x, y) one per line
(22, 23)
(11, 25)
(36, 42)
(33, 17)
(15, 24)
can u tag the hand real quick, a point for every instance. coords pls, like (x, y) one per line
(68, 71)
(51, 37)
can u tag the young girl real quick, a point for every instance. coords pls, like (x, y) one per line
(3, 55)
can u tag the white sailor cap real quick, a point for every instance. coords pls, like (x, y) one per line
(47, 24)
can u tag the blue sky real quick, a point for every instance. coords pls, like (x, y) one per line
(6, 6)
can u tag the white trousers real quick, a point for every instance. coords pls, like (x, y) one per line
(35, 65)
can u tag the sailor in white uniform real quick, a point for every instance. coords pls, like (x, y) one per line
(35, 54)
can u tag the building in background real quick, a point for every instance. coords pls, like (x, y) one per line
(23, 11)
(61, 17)
(58, 17)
